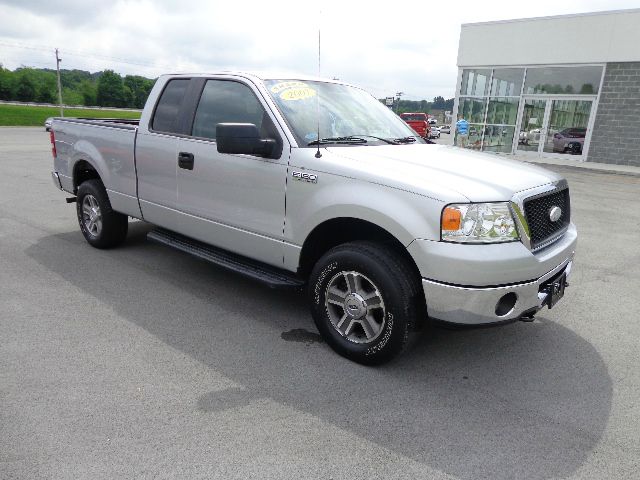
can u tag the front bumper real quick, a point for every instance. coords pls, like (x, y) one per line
(464, 283)
(478, 305)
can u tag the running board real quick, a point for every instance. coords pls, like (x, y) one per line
(272, 276)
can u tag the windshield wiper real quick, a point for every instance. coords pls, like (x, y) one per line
(386, 140)
(405, 140)
(351, 140)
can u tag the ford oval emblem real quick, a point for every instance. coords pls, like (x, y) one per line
(555, 213)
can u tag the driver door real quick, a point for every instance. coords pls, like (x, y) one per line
(236, 202)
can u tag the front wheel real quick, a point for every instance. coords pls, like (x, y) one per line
(100, 225)
(365, 298)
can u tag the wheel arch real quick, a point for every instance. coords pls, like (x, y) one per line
(83, 170)
(336, 231)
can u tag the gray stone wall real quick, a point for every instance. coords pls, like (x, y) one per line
(616, 132)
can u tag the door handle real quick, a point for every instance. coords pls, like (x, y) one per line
(185, 160)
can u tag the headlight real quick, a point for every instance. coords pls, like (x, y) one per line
(478, 223)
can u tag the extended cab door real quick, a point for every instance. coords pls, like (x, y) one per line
(156, 150)
(236, 202)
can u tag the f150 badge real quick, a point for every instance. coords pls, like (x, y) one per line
(304, 177)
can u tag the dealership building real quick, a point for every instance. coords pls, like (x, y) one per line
(565, 86)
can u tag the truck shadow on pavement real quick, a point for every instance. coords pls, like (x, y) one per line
(522, 400)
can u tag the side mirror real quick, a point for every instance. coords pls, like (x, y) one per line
(243, 138)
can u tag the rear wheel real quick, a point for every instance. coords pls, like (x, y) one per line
(364, 301)
(100, 225)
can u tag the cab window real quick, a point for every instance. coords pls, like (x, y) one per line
(224, 101)
(166, 114)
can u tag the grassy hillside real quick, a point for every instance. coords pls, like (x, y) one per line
(22, 115)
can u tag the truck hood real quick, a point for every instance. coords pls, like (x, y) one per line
(442, 172)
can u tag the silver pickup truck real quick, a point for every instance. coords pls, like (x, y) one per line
(312, 183)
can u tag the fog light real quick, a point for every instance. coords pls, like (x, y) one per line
(506, 304)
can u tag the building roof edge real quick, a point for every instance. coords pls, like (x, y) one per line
(554, 17)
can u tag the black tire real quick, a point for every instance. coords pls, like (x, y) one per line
(398, 285)
(114, 225)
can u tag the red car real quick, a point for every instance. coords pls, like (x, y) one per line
(419, 122)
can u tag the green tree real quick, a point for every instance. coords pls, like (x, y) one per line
(88, 92)
(26, 89)
(588, 89)
(79, 87)
(438, 103)
(110, 92)
(47, 90)
(139, 88)
(7, 84)
(71, 96)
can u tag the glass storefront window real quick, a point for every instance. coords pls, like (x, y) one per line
(473, 140)
(507, 82)
(563, 80)
(475, 136)
(531, 125)
(490, 100)
(567, 127)
(503, 111)
(475, 82)
(472, 109)
(498, 138)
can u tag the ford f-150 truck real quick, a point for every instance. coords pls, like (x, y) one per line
(314, 184)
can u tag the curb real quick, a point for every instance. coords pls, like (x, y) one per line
(586, 168)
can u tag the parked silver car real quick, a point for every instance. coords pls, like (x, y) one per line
(569, 140)
(313, 184)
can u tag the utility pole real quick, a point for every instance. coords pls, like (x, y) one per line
(398, 95)
(58, 60)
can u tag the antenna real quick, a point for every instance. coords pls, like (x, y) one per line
(318, 154)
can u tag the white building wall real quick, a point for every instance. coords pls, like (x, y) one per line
(583, 38)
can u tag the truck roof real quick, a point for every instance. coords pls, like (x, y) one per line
(261, 76)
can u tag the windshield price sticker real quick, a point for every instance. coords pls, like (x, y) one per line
(289, 91)
(297, 94)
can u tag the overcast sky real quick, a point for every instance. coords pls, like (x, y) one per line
(385, 47)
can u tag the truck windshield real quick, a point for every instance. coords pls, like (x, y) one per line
(343, 112)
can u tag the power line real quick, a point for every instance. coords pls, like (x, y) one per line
(82, 54)
(26, 47)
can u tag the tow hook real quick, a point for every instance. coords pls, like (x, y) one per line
(71, 199)
(528, 316)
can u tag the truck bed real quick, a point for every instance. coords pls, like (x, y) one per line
(126, 123)
(108, 145)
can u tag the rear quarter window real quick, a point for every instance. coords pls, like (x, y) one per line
(167, 108)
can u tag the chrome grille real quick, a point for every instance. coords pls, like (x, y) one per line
(537, 212)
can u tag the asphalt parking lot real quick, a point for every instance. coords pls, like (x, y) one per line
(145, 362)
